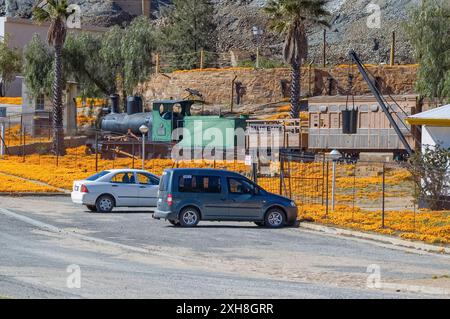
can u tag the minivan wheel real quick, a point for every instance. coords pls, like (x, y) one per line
(105, 204)
(275, 218)
(189, 217)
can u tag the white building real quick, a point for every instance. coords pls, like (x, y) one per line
(435, 126)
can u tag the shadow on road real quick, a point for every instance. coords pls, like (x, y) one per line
(121, 212)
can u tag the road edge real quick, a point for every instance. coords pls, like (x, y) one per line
(397, 242)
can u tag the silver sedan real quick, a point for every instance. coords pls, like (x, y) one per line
(116, 188)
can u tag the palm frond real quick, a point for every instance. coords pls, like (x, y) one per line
(40, 15)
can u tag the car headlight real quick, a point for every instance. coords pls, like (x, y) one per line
(293, 204)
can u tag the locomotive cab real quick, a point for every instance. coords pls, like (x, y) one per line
(168, 115)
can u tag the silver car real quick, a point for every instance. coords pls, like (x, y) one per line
(116, 188)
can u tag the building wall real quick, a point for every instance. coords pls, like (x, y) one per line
(433, 135)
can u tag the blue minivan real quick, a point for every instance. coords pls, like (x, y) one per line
(187, 196)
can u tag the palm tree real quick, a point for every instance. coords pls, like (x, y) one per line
(55, 12)
(292, 18)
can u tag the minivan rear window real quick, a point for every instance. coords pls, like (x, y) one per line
(164, 182)
(199, 184)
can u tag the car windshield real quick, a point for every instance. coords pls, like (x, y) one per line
(97, 176)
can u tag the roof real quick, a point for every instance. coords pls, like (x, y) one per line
(436, 117)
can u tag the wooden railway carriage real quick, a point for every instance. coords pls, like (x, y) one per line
(362, 127)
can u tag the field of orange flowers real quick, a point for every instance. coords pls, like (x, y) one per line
(427, 226)
(12, 185)
(433, 227)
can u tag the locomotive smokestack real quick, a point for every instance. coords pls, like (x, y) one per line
(114, 103)
(134, 105)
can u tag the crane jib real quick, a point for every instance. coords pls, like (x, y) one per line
(380, 101)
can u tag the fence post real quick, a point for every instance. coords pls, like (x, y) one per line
(23, 143)
(323, 176)
(132, 145)
(96, 151)
(383, 199)
(327, 189)
(257, 57)
(255, 172)
(281, 173)
(354, 192)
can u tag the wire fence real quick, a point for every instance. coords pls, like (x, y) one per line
(167, 63)
(373, 196)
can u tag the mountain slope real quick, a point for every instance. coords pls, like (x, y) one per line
(235, 19)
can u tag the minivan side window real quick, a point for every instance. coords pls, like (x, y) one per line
(199, 184)
(240, 186)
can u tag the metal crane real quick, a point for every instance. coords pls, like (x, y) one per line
(376, 92)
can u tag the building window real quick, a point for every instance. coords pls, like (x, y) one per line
(40, 102)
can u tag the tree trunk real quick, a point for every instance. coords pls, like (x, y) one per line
(295, 90)
(58, 128)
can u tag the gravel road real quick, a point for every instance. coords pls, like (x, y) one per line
(127, 254)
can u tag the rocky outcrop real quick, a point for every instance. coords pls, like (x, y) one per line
(272, 85)
(348, 29)
(95, 12)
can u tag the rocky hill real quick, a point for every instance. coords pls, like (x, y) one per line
(235, 19)
(348, 30)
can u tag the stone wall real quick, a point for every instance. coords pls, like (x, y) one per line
(266, 86)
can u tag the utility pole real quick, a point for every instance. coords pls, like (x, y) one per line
(324, 48)
(392, 61)
(158, 64)
(202, 59)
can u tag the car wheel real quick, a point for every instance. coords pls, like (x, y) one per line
(260, 224)
(189, 217)
(275, 218)
(92, 208)
(105, 204)
(175, 223)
